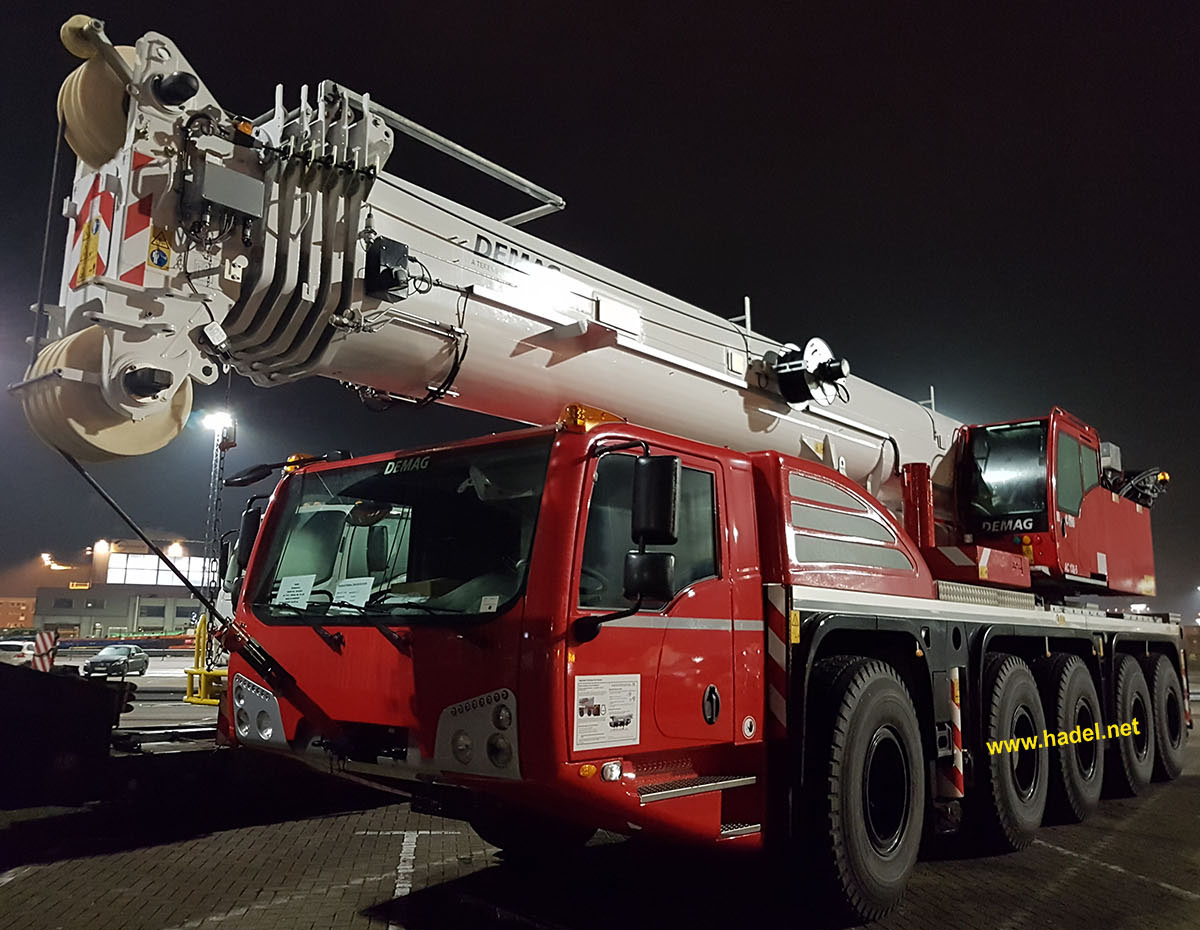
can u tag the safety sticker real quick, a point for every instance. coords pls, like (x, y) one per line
(159, 253)
(607, 711)
(294, 590)
(89, 251)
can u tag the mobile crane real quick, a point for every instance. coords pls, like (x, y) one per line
(720, 590)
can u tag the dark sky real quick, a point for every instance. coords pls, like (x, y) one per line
(1001, 203)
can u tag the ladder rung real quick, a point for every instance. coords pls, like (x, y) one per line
(700, 784)
(740, 829)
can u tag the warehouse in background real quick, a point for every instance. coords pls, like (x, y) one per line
(124, 589)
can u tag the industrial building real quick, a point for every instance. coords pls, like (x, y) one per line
(122, 588)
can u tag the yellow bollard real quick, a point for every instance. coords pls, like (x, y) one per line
(200, 680)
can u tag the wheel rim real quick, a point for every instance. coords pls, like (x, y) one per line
(886, 783)
(1025, 762)
(1085, 752)
(1174, 719)
(1141, 739)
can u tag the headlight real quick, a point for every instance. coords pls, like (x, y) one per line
(460, 745)
(499, 750)
(502, 717)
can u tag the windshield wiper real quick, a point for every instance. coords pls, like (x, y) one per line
(334, 641)
(362, 608)
(374, 610)
(263, 605)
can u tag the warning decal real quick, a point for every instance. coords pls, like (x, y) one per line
(89, 251)
(606, 711)
(159, 253)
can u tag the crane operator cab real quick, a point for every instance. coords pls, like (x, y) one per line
(1050, 490)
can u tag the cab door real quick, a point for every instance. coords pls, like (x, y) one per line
(1079, 521)
(681, 652)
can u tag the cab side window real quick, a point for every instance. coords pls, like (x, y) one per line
(608, 538)
(1077, 472)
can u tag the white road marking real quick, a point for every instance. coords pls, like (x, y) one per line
(408, 859)
(1165, 886)
(1022, 916)
(13, 874)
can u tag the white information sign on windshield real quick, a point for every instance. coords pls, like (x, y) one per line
(294, 590)
(353, 590)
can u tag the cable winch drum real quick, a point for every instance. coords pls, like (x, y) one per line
(73, 415)
(92, 105)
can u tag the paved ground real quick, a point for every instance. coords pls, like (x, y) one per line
(224, 840)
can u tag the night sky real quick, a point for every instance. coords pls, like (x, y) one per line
(1000, 203)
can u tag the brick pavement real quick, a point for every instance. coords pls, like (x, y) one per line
(288, 850)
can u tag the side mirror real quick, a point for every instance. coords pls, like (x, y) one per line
(231, 574)
(649, 575)
(249, 476)
(224, 557)
(377, 549)
(247, 533)
(655, 500)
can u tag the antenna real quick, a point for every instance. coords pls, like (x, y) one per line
(744, 319)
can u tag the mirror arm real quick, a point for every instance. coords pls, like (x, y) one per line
(588, 628)
(602, 448)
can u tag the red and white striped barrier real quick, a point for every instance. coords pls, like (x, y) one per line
(45, 648)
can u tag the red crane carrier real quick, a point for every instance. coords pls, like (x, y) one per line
(720, 590)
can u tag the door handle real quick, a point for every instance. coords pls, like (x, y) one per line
(711, 704)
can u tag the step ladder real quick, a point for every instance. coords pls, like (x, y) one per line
(701, 784)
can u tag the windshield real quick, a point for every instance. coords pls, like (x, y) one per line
(1004, 478)
(114, 651)
(440, 533)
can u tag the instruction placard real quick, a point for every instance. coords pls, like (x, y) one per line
(607, 711)
(294, 590)
(353, 590)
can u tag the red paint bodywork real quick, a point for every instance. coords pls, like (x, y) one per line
(531, 649)
(1107, 544)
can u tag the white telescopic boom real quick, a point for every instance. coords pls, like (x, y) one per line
(279, 247)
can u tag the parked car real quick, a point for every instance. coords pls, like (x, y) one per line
(118, 660)
(16, 652)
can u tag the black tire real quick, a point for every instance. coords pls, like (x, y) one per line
(1010, 799)
(1170, 727)
(1131, 762)
(1069, 700)
(527, 836)
(864, 790)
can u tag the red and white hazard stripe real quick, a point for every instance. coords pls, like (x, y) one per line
(950, 772)
(135, 237)
(91, 234)
(777, 664)
(45, 648)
